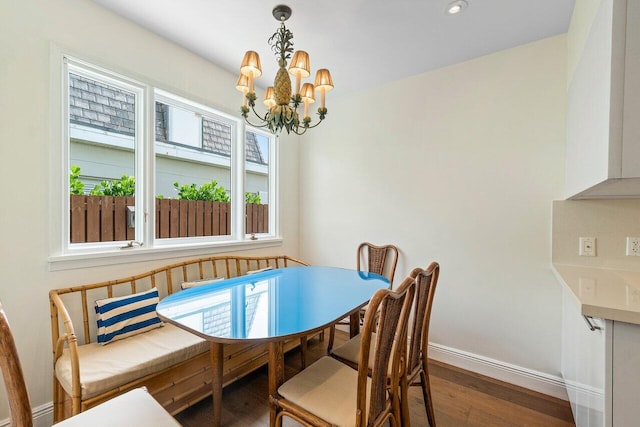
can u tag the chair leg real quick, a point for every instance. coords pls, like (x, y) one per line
(279, 419)
(57, 401)
(76, 405)
(403, 416)
(426, 393)
(332, 337)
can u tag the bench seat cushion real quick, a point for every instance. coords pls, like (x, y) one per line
(103, 367)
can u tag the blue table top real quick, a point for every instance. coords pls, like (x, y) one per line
(271, 305)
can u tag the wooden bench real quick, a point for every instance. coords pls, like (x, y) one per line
(179, 378)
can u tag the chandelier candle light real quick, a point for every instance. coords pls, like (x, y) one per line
(282, 104)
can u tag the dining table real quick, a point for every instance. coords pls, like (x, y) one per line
(269, 306)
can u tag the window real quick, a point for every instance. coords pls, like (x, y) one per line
(257, 182)
(146, 169)
(193, 178)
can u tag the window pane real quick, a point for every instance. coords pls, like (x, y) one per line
(257, 182)
(193, 173)
(102, 126)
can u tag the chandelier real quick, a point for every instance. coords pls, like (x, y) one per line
(280, 99)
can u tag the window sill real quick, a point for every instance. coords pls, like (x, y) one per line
(141, 254)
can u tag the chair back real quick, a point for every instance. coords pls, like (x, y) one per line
(426, 281)
(381, 260)
(13, 378)
(387, 314)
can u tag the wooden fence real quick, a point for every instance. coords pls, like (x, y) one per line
(104, 218)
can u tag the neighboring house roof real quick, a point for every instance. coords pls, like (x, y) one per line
(111, 109)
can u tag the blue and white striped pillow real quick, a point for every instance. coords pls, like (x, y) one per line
(122, 317)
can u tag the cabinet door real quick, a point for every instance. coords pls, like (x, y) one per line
(626, 374)
(631, 115)
(584, 364)
(603, 103)
(589, 106)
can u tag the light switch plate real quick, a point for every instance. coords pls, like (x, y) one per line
(587, 246)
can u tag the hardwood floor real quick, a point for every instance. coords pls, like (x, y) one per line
(461, 399)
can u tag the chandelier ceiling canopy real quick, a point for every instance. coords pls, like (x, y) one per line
(282, 100)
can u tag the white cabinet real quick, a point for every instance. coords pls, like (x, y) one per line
(626, 374)
(586, 364)
(601, 368)
(603, 103)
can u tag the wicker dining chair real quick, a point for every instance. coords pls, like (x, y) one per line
(417, 366)
(331, 393)
(136, 407)
(381, 260)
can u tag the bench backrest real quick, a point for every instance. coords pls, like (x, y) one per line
(75, 305)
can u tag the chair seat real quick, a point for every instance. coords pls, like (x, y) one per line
(335, 400)
(349, 352)
(104, 367)
(134, 408)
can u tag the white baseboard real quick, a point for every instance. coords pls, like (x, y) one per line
(42, 416)
(533, 380)
(588, 397)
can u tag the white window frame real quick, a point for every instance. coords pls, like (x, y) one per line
(273, 181)
(64, 255)
(236, 141)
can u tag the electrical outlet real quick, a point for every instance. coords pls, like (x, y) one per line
(587, 246)
(633, 246)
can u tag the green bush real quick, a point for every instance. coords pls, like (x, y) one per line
(75, 185)
(252, 198)
(126, 187)
(208, 191)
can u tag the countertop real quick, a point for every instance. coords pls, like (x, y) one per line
(604, 293)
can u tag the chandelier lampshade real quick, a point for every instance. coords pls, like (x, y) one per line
(243, 83)
(323, 84)
(243, 86)
(269, 98)
(307, 95)
(281, 99)
(299, 67)
(251, 64)
(251, 67)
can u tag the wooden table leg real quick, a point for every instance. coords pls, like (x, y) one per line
(216, 382)
(354, 324)
(303, 353)
(276, 375)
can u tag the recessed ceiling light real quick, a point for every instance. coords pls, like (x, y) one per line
(456, 7)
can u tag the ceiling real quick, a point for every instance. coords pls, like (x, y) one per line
(365, 43)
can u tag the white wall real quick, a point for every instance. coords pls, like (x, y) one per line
(458, 165)
(29, 29)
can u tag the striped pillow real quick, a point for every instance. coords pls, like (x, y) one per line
(122, 317)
